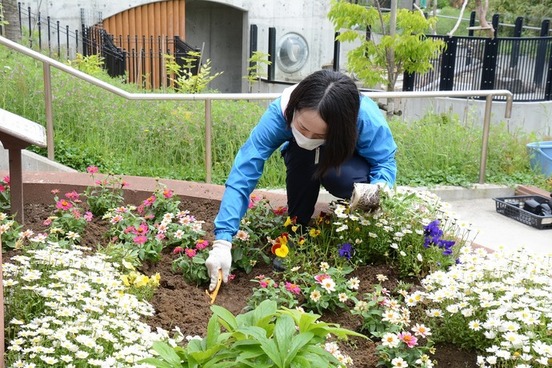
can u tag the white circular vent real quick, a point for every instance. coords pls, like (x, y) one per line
(292, 52)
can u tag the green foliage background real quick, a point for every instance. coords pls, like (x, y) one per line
(166, 139)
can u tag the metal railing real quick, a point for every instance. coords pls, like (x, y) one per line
(209, 97)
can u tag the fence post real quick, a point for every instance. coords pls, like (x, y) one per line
(472, 23)
(541, 53)
(495, 22)
(518, 28)
(271, 53)
(336, 52)
(447, 64)
(548, 86)
(39, 24)
(489, 63)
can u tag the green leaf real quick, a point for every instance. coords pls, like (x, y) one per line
(267, 345)
(167, 353)
(225, 317)
(283, 334)
(213, 331)
(297, 343)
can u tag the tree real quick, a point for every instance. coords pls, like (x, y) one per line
(11, 18)
(402, 49)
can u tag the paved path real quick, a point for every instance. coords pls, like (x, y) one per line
(497, 230)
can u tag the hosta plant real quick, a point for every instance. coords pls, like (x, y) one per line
(264, 337)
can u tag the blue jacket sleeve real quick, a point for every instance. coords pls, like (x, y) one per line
(375, 143)
(269, 134)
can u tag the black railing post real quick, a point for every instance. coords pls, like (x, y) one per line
(336, 52)
(548, 86)
(58, 39)
(67, 40)
(514, 56)
(408, 81)
(496, 23)
(541, 53)
(39, 25)
(447, 64)
(30, 27)
(85, 40)
(489, 63)
(271, 53)
(20, 24)
(472, 23)
(49, 37)
(253, 34)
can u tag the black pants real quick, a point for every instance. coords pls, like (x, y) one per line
(302, 189)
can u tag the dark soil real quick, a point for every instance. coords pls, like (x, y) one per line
(187, 306)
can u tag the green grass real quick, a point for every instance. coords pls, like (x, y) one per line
(166, 139)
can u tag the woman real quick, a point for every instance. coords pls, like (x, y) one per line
(330, 135)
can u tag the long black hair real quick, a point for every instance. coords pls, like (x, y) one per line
(337, 100)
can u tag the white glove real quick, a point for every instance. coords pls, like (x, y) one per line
(366, 196)
(220, 258)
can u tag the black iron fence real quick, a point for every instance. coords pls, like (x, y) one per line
(520, 65)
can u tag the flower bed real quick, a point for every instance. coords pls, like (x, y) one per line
(363, 272)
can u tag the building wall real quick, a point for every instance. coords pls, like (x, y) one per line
(221, 27)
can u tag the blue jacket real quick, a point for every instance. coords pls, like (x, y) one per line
(375, 143)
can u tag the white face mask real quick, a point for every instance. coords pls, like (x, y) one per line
(304, 142)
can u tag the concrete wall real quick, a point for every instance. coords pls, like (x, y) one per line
(534, 117)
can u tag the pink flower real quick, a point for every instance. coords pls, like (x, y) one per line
(177, 250)
(148, 202)
(201, 244)
(140, 239)
(6, 180)
(320, 278)
(2, 188)
(160, 236)
(88, 216)
(190, 252)
(409, 339)
(54, 191)
(92, 169)
(72, 195)
(124, 184)
(293, 288)
(47, 222)
(263, 284)
(167, 193)
(63, 204)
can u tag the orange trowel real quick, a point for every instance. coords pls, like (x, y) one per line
(214, 294)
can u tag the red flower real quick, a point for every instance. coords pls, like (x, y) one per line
(177, 250)
(280, 211)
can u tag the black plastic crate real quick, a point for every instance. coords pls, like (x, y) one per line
(513, 207)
